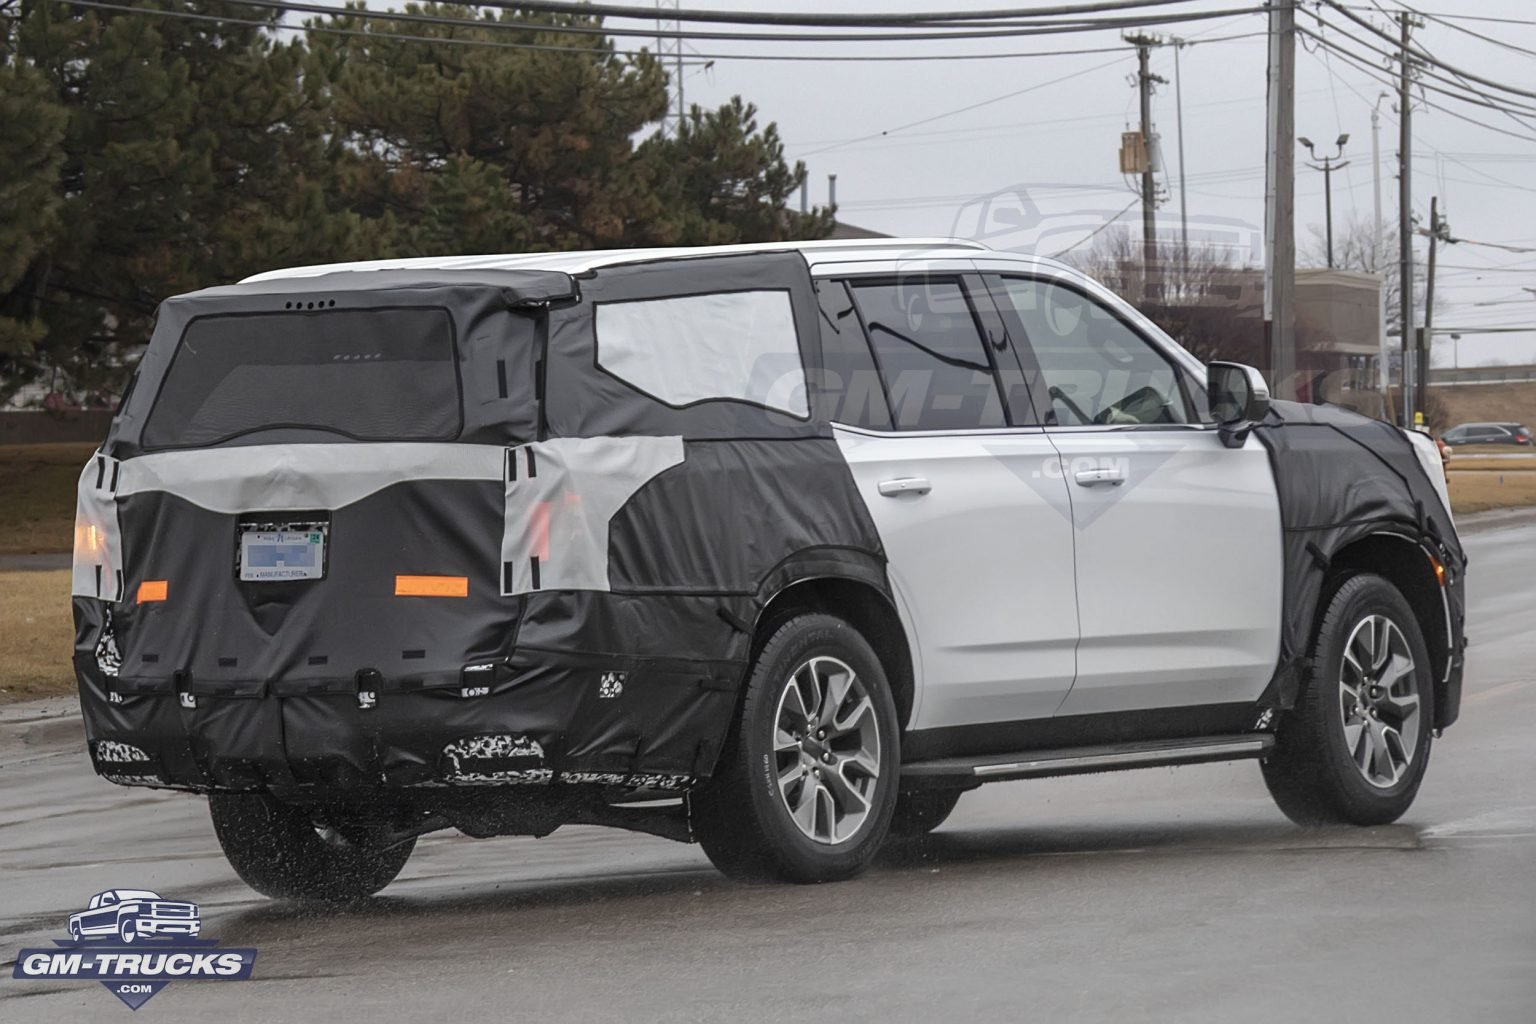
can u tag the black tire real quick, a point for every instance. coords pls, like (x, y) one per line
(1312, 772)
(919, 812)
(278, 850)
(740, 817)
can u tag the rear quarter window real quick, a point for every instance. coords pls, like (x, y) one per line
(736, 346)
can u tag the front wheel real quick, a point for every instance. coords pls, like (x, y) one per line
(807, 782)
(279, 850)
(1355, 747)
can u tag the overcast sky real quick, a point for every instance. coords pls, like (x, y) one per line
(1057, 142)
(1053, 131)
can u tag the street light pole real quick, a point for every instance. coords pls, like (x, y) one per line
(1328, 167)
(1178, 94)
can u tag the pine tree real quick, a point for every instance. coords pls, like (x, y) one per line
(147, 155)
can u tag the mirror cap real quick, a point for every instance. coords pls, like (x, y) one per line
(1238, 393)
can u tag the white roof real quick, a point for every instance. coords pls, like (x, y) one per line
(824, 251)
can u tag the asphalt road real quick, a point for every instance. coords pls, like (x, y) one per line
(1177, 895)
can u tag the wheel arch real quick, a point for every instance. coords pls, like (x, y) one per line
(865, 607)
(1412, 569)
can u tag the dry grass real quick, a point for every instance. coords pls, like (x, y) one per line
(1474, 450)
(37, 635)
(37, 496)
(1485, 464)
(1490, 485)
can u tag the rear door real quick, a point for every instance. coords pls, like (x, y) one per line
(964, 488)
(1177, 538)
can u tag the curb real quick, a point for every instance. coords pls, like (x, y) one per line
(36, 728)
(1496, 519)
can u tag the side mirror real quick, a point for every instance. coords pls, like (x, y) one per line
(1239, 398)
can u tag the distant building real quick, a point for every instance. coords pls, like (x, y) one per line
(1338, 340)
(841, 230)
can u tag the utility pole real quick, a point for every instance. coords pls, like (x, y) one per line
(1178, 101)
(669, 50)
(1144, 80)
(1279, 201)
(1437, 227)
(1379, 256)
(1328, 168)
(1405, 219)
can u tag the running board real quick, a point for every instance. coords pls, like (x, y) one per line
(1038, 764)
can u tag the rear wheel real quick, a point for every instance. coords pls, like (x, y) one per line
(1355, 747)
(807, 783)
(919, 812)
(280, 851)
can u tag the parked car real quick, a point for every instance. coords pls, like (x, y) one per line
(131, 914)
(780, 549)
(1488, 433)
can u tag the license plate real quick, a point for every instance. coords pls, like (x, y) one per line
(292, 552)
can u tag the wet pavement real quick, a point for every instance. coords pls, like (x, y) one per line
(1167, 894)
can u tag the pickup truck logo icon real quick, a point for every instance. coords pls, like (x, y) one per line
(135, 942)
(129, 915)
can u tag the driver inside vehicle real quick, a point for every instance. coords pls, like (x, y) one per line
(1097, 370)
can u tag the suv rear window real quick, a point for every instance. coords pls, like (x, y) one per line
(369, 375)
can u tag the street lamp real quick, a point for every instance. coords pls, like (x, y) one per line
(1328, 167)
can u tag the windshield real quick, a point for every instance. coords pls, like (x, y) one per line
(368, 375)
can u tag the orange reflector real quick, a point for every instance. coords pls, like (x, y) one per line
(1439, 571)
(431, 586)
(152, 590)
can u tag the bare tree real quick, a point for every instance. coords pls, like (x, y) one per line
(1355, 248)
(1202, 297)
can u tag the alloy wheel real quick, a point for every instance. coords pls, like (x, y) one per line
(827, 750)
(1379, 701)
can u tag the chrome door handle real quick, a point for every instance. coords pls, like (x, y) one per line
(1094, 477)
(915, 485)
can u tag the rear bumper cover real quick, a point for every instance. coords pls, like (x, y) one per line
(535, 717)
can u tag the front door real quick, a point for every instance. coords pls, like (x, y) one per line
(1177, 538)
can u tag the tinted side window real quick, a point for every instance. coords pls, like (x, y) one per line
(1096, 369)
(930, 353)
(849, 389)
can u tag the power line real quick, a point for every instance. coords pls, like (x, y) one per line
(395, 36)
(1089, 236)
(1425, 55)
(947, 136)
(1476, 35)
(830, 20)
(331, 30)
(1464, 17)
(967, 107)
(1377, 75)
(1373, 73)
(1483, 98)
(889, 34)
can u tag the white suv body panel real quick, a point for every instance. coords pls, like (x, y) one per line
(982, 561)
(1179, 569)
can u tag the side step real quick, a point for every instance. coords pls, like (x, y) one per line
(1036, 764)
